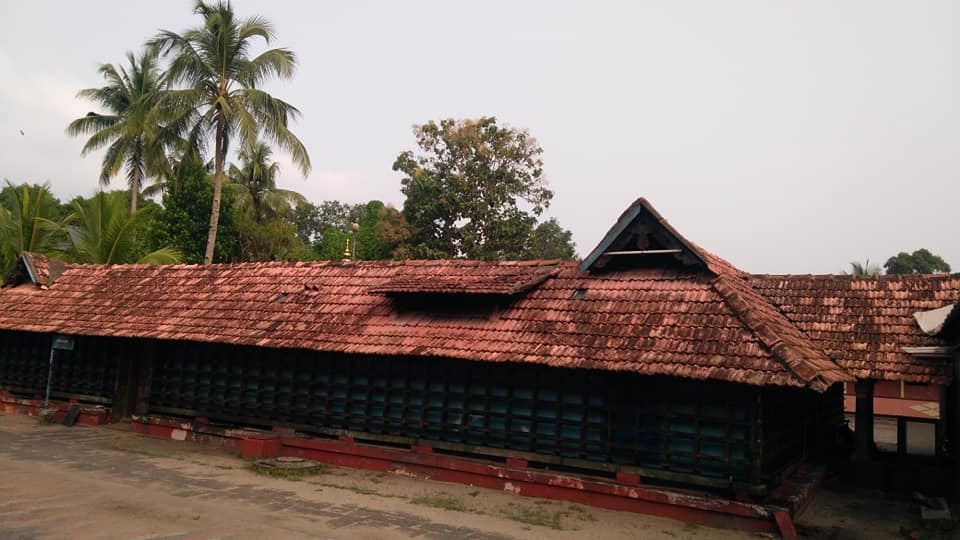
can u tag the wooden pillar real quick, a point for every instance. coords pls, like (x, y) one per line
(756, 440)
(145, 376)
(951, 421)
(863, 450)
(124, 396)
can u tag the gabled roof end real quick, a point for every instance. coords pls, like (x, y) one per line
(642, 231)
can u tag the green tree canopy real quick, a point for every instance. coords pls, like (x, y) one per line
(380, 231)
(313, 219)
(221, 96)
(332, 244)
(551, 241)
(254, 185)
(475, 190)
(183, 221)
(102, 230)
(134, 142)
(920, 261)
(465, 190)
(30, 220)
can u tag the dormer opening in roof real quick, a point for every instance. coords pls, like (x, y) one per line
(463, 288)
(641, 238)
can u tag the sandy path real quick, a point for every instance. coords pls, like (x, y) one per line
(88, 483)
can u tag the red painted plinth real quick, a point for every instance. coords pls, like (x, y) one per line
(677, 504)
(627, 493)
(90, 416)
(629, 478)
(251, 443)
(517, 463)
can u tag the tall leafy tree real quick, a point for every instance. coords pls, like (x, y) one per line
(129, 129)
(920, 261)
(314, 219)
(219, 94)
(380, 232)
(266, 215)
(332, 244)
(254, 184)
(184, 219)
(475, 190)
(29, 221)
(550, 241)
(103, 230)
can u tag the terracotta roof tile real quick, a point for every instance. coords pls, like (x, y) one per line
(684, 323)
(863, 322)
(471, 277)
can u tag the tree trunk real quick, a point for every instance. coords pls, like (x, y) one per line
(217, 188)
(135, 191)
(137, 180)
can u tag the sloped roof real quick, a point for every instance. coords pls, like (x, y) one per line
(678, 322)
(42, 270)
(507, 278)
(864, 322)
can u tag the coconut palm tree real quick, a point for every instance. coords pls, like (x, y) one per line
(103, 231)
(864, 269)
(28, 222)
(134, 138)
(220, 95)
(255, 189)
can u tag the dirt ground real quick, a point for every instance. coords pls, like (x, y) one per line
(107, 482)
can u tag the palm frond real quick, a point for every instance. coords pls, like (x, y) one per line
(162, 256)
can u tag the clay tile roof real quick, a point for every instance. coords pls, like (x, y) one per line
(463, 277)
(674, 322)
(864, 322)
(41, 269)
(689, 314)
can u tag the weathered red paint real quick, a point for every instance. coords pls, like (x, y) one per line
(517, 463)
(785, 524)
(683, 505)
(90, 416)
(625, 494)
(251, 443)
(628, 478)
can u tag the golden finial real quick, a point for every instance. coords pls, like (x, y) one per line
(346, 252)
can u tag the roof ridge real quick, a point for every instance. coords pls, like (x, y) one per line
(782, 338)
(853, 277)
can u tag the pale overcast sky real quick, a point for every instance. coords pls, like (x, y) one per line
(787, 137)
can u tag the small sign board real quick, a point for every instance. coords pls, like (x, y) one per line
(62, 342)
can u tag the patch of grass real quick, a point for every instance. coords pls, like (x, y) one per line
(534, 515)
(474, 493)
(580, 513)
(541, 516)
(359, 490)
(294, 475)
(442, 501)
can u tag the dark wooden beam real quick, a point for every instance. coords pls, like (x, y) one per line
(863, 450)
